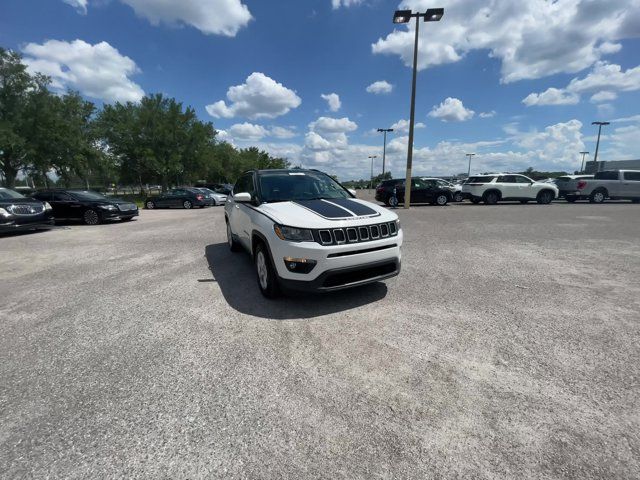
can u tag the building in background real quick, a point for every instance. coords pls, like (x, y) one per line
(593, 167)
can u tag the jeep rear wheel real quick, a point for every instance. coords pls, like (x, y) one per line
(267, 277)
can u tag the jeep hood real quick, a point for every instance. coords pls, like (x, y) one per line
(334, 213)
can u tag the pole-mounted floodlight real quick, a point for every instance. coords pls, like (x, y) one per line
(595, 158)
(384, 148)
(404, 16)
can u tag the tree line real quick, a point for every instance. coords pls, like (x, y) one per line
(68, 140)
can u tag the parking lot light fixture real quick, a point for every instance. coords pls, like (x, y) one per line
(404, 16)
(595, 158)
(384, 147)
(583, 155)
(469, 170)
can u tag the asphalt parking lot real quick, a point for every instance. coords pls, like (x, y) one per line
(509, 347)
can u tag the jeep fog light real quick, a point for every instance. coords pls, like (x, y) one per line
(299, 265)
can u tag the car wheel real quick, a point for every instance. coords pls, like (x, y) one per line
(475, 201)
(545, 197)
(570, 198)
(598, 196)
(267, 281)
(187, 204)
(458, 197)
(233, 245)
(442, 200)
(524, 202)
(491, 198)
(150, 205)
(91, 217)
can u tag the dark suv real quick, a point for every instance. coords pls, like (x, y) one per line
(422, 191)
(18, 212)
(90, 207)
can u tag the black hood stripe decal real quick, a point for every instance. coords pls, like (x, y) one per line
(325, 209)
(353, 206)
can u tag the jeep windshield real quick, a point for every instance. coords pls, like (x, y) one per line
(296, 186)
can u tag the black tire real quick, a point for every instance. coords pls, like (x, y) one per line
(598, 196)
(187, 205)
(441, 200)
(524, 202)
(266, 275)
(491, 198)
(458, 197)
(570, 198)
(150, 205)
(91, 217)
(233, 245)
(475, 201)
(545, 197)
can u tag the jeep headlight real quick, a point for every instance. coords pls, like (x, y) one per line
(293, 234)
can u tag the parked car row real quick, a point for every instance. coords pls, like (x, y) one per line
(496, 187)
(186, 197)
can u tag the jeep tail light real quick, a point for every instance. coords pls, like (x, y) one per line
(581, 184)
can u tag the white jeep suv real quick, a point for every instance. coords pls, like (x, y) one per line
(305, 231)
(492, 188)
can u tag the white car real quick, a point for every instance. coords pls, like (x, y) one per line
(495, 187)
(307, 232)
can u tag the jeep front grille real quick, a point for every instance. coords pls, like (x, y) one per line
(366, 233)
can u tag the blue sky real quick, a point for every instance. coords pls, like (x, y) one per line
(518, 83)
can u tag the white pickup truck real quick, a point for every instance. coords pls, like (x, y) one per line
(609, 184)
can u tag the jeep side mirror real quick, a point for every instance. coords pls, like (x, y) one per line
(243, 197)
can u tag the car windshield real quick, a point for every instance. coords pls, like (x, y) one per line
(88, 195)
(287, 186)
(9, 194)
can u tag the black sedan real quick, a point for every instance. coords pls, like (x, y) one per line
(18, 212)
(90, 207)
(422, 191)
(178, 198)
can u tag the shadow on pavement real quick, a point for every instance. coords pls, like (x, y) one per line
(235, 274)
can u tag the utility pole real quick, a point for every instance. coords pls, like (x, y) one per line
(595, 158)
(469, 170)
(583, 155)
(384, 148)
(372, 157)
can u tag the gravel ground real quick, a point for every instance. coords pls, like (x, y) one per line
(509, 347)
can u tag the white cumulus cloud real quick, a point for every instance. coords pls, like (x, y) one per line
(380, 87)
(328, 125)
(604, 80)
(402, 126)
(98, 71)
(80, 5)
(344, 3)
(216, 17)
(259, 97)
(247, 131)
(333, 100)
(531, 39)
(451, 110)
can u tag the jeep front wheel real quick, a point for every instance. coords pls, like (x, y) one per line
(267, 277)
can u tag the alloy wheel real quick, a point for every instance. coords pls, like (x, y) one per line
(91, 217)
(441, 200)
(187, 204)
(263, 274)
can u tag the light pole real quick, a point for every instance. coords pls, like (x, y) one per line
(372, 157)
(469, 170)
(583, 155)
(384, 148)
(405, 16)
(595, 158)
